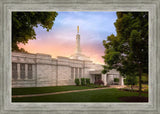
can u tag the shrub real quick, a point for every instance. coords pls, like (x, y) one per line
(131, 80)
(125, 82)
(91, 84)
(77, 81)
(144, 79)
(87, 81)
(99, 82)
(83, 81)
(116, 79)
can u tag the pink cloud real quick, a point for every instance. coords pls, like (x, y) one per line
(58, 43)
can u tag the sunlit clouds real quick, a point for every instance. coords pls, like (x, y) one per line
(94, 27)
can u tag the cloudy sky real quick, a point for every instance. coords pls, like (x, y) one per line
(94, 27)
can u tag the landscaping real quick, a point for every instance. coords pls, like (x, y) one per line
(135, 88)
(38, 90)
(86, 82)
(103, 95)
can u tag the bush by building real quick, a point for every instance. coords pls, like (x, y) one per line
(83, 81)
(77, 81)
(99, 82)
(87, 81)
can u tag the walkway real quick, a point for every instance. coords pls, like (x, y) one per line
(55, 93)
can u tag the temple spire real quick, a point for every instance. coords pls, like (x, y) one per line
(77, 29)
(78, 49)
(78, 54)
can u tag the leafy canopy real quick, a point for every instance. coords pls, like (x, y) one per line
(128, 50)
(23, 24)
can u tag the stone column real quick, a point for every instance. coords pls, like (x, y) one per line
(122, 81)
(33, 71)
(104, 79)
(82, 72)
(74, 73)
(18, 71)
(78, 73)
(26, 71)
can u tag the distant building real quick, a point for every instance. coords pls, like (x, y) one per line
(37, 70)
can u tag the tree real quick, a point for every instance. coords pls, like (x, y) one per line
(131, 80)
(128, 50)
(23, 24)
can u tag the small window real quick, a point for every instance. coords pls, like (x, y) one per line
(29, 71)
(80, 72)
(76, 72)
(72, 71)
(14, 71)
(22, 71)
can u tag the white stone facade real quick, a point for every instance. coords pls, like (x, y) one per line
(37, 70)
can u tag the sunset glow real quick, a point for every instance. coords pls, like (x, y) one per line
(94, 27)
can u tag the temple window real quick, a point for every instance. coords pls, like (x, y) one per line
(14, 71)
(30, 71)
(22, 71)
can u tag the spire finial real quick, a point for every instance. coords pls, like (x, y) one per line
(77, 29)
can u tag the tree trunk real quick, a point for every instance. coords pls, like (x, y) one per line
(140, 85)
(131, 87)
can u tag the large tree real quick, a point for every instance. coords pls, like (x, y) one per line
(128, 50)
(23, 24)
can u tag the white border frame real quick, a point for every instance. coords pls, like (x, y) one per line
(152, 6)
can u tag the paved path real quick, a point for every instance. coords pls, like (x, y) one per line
(55, 93)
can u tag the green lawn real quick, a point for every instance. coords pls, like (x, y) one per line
(37, 90)
(105, 95)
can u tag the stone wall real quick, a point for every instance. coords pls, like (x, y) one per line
(47, 71)
(37, 70)
(21, 79)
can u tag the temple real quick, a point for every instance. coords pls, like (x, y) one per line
(38, 70)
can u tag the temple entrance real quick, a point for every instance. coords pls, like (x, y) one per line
(97, 77)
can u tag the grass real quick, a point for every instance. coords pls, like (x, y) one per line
(37, 90)
(105, 95)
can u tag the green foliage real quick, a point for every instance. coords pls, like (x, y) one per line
(87, 81)
(23, 24)
(128, 50)
(22, 50)
(144, 78)
(131, 80)
(83, 81)
(77, 81)
(125, 83)
(116, 79)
